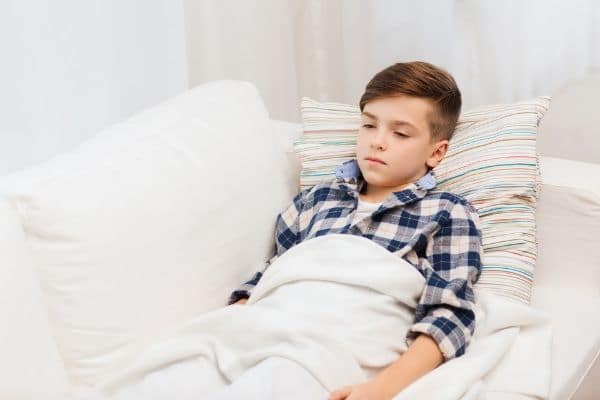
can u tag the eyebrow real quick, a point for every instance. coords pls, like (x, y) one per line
(395, 123)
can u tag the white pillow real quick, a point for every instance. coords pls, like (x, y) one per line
(152, 221)
(30, 366)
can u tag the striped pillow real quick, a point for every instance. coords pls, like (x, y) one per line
(491, 161)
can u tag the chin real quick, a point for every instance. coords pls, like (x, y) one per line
(373, 180)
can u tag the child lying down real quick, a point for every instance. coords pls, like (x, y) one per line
(387, 194)
(374, 252)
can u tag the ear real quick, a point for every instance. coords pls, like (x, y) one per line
(438, 151)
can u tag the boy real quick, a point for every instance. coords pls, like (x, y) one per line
(387, 194)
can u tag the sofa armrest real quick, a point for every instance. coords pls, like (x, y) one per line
(568, 225)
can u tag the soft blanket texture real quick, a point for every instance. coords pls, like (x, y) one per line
(340, 306)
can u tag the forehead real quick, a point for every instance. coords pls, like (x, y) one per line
(407, 111)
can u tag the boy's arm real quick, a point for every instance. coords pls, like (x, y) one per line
(445, 317)
(446, 310)
(245, 289)
(422, 356)
(286, 235)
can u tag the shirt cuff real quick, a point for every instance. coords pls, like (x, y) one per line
(449, 337)
(237, 295)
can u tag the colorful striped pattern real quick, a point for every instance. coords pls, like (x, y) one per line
(491, 160)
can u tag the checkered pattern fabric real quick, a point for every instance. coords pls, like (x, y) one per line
(438, 232)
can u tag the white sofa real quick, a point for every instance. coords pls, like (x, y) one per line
(158, 218)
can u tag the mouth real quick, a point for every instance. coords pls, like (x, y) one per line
(374, 160)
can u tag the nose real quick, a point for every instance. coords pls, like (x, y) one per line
(379, 140)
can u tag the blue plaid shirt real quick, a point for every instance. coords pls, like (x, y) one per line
(436, 231)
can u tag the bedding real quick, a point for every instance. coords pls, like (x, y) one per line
(340, 305)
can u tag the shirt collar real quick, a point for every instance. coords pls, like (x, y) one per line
(349, 178)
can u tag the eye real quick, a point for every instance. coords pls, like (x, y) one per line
(368, 126)
(400, 134)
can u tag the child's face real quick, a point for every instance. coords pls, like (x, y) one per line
(405, 149)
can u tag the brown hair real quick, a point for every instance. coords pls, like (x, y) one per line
(420, 79)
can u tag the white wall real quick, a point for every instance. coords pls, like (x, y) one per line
(71, 68)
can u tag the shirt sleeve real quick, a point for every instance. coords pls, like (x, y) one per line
(286, 235)
(446, 310)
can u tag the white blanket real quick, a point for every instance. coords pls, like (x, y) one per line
(340, 305)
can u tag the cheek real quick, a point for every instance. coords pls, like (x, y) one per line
(360, 142)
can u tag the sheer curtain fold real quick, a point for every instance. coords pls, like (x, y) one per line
(497, 51)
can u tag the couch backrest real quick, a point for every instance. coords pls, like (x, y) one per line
(571, 127)
(152, 221)
(568, 226)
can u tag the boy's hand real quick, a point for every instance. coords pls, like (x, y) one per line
(365, 391)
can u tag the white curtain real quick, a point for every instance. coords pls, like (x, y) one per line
(70, 68)
(498, 51)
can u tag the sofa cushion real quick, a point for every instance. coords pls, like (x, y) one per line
(30, 365)
(491, 161)
(152, 221)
